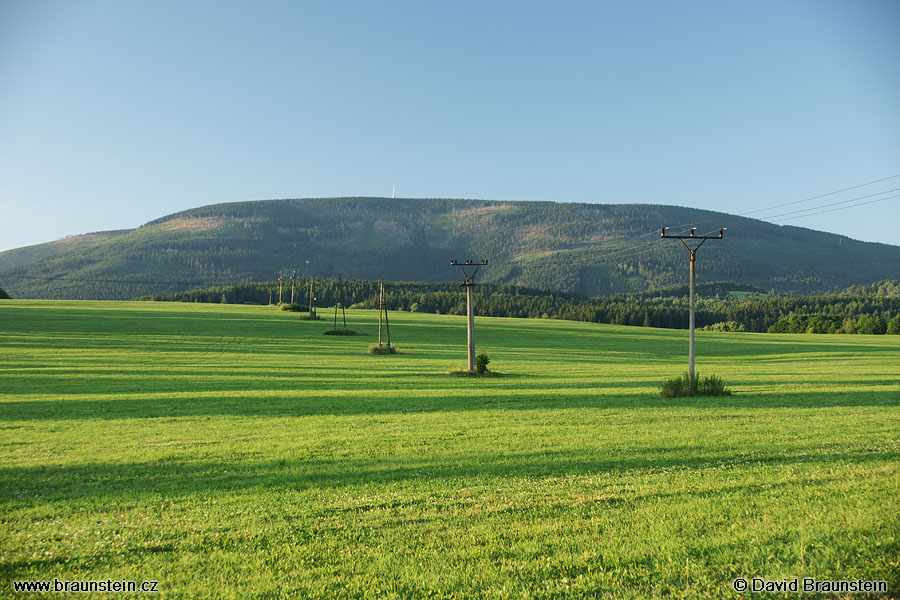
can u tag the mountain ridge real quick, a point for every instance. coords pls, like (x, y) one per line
(591, 249)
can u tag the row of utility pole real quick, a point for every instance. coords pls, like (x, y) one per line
(293, 280)
(469, 283)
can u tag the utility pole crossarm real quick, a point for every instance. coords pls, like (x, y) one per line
(469, 279)
(662, 234)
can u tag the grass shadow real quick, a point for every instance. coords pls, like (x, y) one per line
(284, 404)
(170, 477)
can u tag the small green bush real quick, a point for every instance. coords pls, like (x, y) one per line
(294, 307)
(481, 363)
(725, 326)
(686, 385)
(376, 349)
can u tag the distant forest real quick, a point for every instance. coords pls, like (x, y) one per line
(721, 305)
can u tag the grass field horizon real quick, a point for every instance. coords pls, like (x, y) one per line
(236, 452)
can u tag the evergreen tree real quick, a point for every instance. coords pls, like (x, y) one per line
(893, 326)
(871, 325)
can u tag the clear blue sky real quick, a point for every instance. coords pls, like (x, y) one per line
(114, 113)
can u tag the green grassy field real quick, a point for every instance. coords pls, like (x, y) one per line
(236, 452)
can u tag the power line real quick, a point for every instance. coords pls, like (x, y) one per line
(126, 281)
(643, 247)
(199, 284)
(752, 212)
(635, 248)
(832, 193)
(821, 212)
(442, 275)
(802, 210)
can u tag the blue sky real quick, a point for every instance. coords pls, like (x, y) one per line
(115, 113)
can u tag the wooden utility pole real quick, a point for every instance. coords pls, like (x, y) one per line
(380, 309)
(341, 292)
(310, 296)
(293, 285)
(468, 282)
(340, 301)
(693, 251)
(280, 288)
(387, 326)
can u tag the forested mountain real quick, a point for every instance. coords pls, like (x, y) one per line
(589, 249)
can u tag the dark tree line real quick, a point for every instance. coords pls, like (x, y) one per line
(717, 306)
(866, 324)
